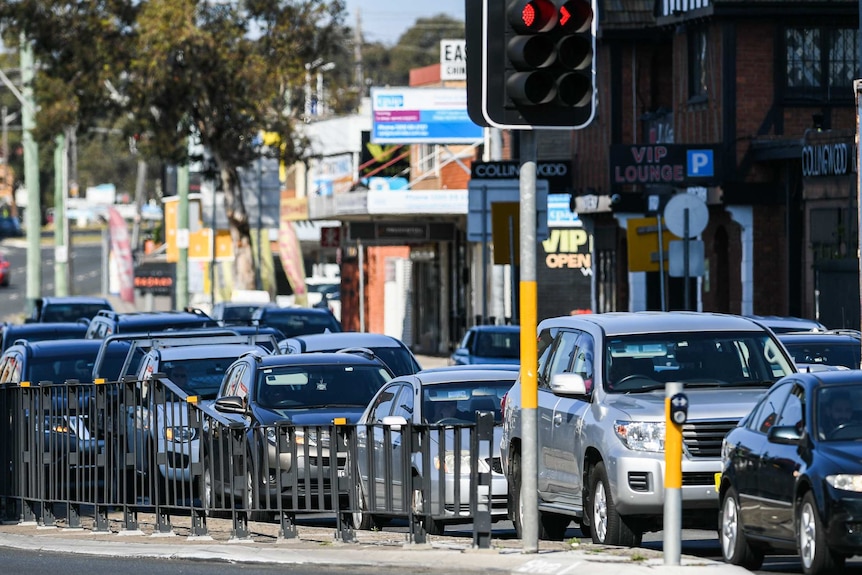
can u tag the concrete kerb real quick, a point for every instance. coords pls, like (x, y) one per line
(319, 546)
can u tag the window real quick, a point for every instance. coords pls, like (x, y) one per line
(764, 415)
(821, 63)
(697, 69)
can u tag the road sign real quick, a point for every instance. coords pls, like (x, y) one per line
(643, 252)
(330, 237)
(483, 193)
(676, 259)
(675, 215)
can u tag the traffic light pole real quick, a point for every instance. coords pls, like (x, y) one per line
(529, 361)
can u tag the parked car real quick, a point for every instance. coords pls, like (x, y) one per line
(834, 347)
(5, 271)
(783, 324)
(197, 368)
(10, 227)
(309, 389)
(601, 416)
(67, 308)
(234, 313)
(293, 321)
(106, 323)
(489, 344)
(442, 397)
(791, 480)
(12, 332)
(390, 350)
(54, 361)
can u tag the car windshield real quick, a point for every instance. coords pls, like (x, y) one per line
(70, 312)
(462, 400)
(645, 362)
(241, 313)
(837, 419)
(294, 324)
(498, 344)
(200, 376)
(314, 386)
(846, 354)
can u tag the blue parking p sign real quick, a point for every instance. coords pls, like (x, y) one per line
(700, 164)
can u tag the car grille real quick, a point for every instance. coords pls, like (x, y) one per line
(639, 481)
(698, 479)
(703, 438)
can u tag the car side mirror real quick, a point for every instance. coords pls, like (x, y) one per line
(395, 422)
(568, 384)
(231, 404)
(784, 434)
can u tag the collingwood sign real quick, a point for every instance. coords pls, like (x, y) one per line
(558, 174)
(828, 160)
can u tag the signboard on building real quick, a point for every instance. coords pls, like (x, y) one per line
(664, 164)
(422, 116)
(453, 59)
(557, 173)
(156, 278)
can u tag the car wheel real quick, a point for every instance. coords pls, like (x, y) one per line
(608, 526)
(361, 518)
(734, 545)
(515, 500)
(252, 502)
(815, 555)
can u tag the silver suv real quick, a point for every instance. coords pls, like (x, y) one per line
(601, 416)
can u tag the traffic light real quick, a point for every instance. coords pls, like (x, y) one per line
(538, 63)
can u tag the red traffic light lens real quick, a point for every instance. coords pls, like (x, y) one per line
(575, 16)
(532, 16)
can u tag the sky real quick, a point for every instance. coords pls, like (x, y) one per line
(385, 20)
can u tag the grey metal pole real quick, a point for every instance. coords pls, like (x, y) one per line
(31, 179)
(672, 542)
(685, 247)
(529, 391)
(182, 291)
(660, 222)
(485, 210)
(360, 250)
(61, 249)
(106, 250)
(258, 277)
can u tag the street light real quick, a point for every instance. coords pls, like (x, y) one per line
(319, 66)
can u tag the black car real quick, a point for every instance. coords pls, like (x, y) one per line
(67, 308)
(106, 323)
(234, 313)
(12, 332)
(392, 351)
(792, 474)
(294, 321)
(305, 391)
(815, 348)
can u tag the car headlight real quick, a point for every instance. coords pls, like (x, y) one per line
(311, 437)
(448, 463)
(641, 435)
(845, 482)
(180, 434)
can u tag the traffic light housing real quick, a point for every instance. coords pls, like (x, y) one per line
(538, 63)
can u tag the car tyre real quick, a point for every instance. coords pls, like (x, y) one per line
(361, 518)
(814, 553)
(552, 527)
(734, 545)
(251, 502)
(608, 526)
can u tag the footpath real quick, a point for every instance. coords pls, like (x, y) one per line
(318, 545)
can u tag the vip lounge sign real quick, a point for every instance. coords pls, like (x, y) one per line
(664, 164)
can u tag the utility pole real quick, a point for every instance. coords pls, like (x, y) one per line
(31, 178)
(182, 292)
(61, 248)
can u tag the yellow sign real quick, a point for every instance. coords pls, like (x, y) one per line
(200, 238)
(505, 216)
(643, 252)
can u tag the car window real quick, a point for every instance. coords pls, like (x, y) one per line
(383, 404)
(313, 386)
(564, 353)
(462, 400)
(232, 380)
(793, 412)
(846, 354)
(765, 414)
(544, 347)
(644, 362)
(583, 359)
(404, 403)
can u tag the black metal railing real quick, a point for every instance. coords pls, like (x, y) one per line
(85, 449)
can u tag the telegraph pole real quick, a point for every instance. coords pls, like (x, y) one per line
(182, 291)
(31, 179)
(61, 248)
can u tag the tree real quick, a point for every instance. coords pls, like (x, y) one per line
(419, 45)
(167, 70)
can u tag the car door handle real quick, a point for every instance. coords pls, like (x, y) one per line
(558, 418)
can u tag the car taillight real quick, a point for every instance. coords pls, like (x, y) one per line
(503, 402)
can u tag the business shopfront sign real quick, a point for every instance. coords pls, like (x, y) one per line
(828, 159)
(664, 164)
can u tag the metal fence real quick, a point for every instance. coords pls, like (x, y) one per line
(86, 449)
